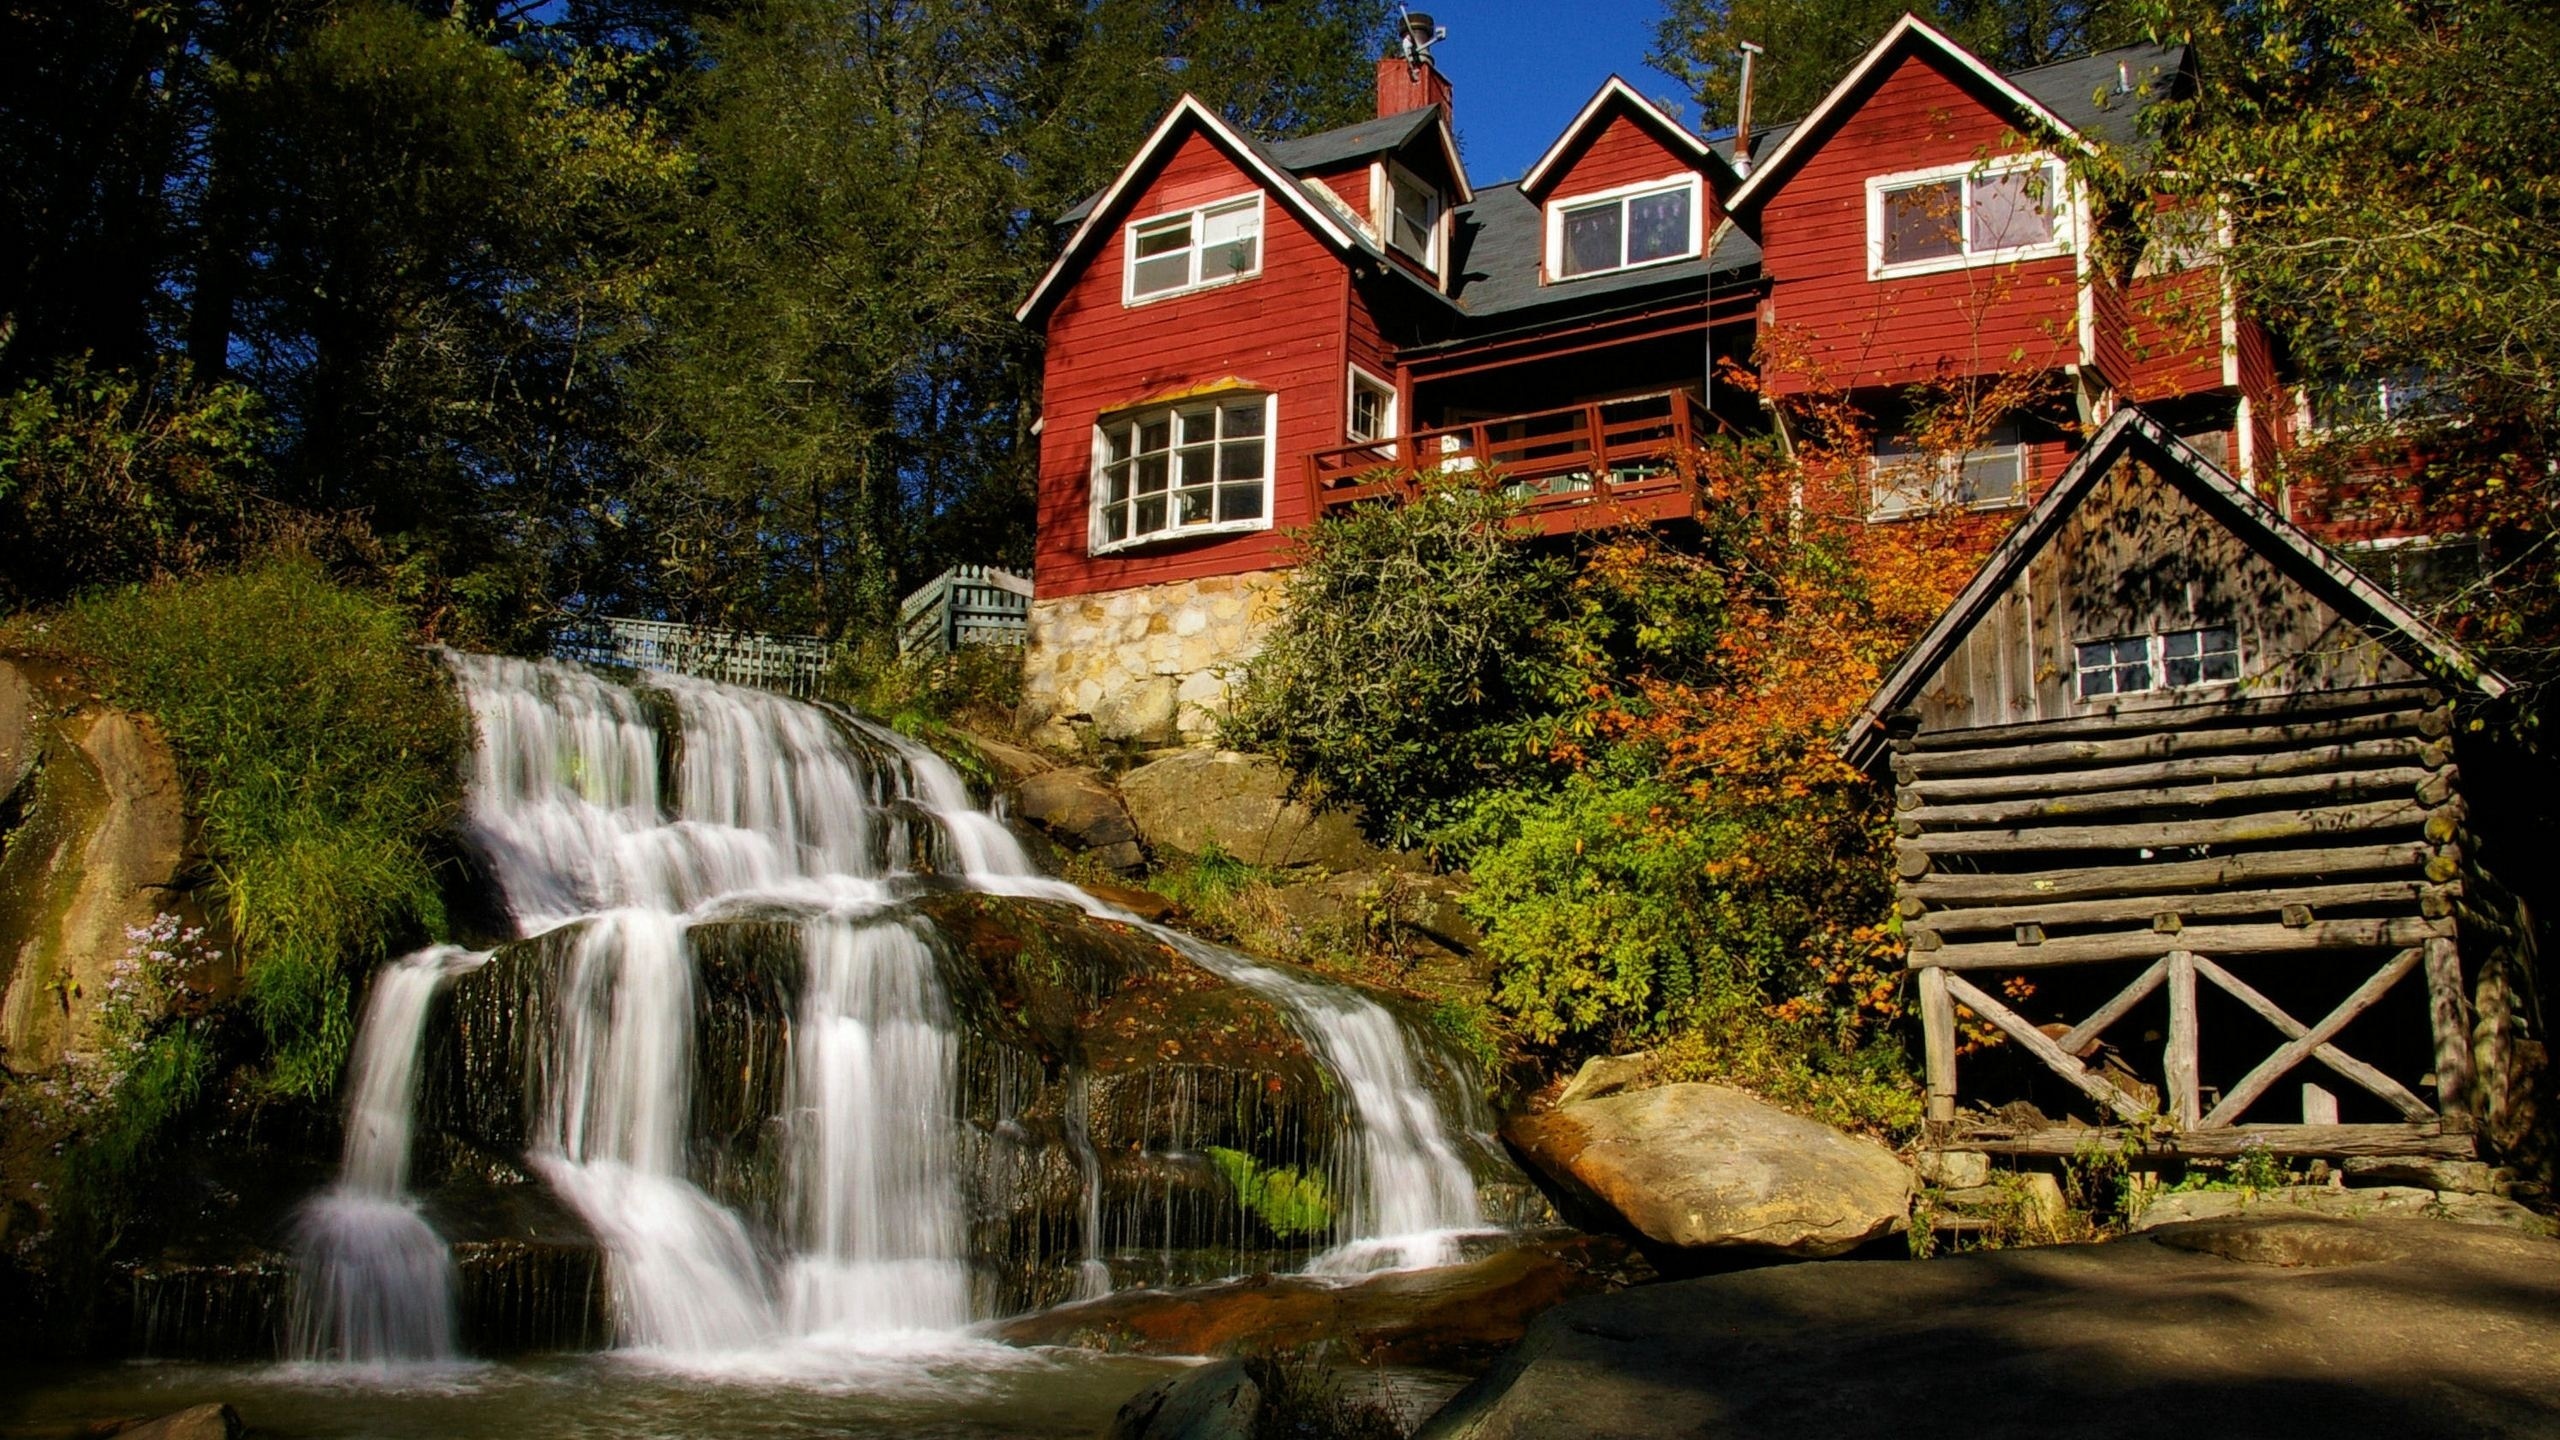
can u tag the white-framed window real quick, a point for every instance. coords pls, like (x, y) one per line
(1413, 217)
(1647, 224)
(1372, 413)
(2170, 660)
(1214, 244)
(1199, 467)
(1902, 480)
(1989, 212)
(2369, 402)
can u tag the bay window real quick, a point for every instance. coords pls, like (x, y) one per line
(1198, 467)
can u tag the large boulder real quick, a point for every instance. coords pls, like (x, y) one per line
(1704, 1168)
(95, 824)
(196, 1422)
(2301, 1327)
(1076, 808)
(1214, 1402)
(1195, 800)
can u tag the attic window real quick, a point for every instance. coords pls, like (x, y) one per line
(2173, 660)
(1621, 229)
(1414, 224)
(1194, 249)
(1922, 221)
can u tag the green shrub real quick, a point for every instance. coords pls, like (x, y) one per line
(321, 755)
(1286, 1201)
(1418, 642)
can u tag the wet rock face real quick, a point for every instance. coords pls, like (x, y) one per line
(1704, 1168)
(1190, 801)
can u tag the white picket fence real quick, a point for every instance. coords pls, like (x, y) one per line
(792, 664)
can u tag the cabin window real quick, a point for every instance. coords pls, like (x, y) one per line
(2178, 658)
(1925, 220)
(1373, 408)
(1198, 467)
(1414, 224)
(2368, 402)
(1904, 481)
(1617, 230)
(1193, 249)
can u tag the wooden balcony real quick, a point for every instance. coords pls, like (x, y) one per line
(1590, 466)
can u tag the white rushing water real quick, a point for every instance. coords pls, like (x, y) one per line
(376, 1285)
(581, 815)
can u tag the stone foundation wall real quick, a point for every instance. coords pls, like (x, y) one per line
(1150, 664)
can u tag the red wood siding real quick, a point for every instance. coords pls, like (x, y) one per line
(2174, 337)
(1282, 330)
(1353, 186)
(1861, 332)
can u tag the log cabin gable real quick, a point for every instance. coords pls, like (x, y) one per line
(2144, 542)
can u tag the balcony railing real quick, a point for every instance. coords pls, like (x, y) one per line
(1601, 463)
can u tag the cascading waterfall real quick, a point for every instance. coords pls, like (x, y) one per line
(376, 1284)
(642, 814)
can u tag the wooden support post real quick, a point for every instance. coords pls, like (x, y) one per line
(1938, 1040)
(2186, 1103)
(2449, 1009)
(2319, 1107)
(2035, 1042)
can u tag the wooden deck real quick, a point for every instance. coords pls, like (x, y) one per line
(1591, 466)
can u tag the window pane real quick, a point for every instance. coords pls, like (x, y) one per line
(1920, 222)
(2221, 664)
(1416, 208)
(1151, 474)
(1165, 272)
(1115, 443)
(1156, 433)
(1591, 237)
(2180, 644)
(1244, 419)
(1150, 515)
(1904, 481)
(1241, 461)
(1116, 483)
(2013, 209)
(1195, 506)
(1115, 523)
(1230, 242)
(1199, 426)
(1240, 502)
(1367, 413)
(1658, 226)
(1165, 240)
(1989, 476)
(2181, 671)
(1197, 465)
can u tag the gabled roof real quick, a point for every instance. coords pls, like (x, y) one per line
(1502, 243)
(1616, 96)
(2132, 434)
(1387, 135)
(2062, 99)
(1250, 155)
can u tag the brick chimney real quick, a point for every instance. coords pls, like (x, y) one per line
(1411, 84)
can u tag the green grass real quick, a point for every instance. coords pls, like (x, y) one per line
(321, 753)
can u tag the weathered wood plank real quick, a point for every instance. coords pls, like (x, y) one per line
(2391, 1091)
(2297, 708)
(2169, 877)
(2077, 1038)
(2239, 1097)
(2431, 1140)
(2241, 765)
(2040, 1045)
(2202, 939)
(2335, 785)
(2449, 1013)
(2342, 821)
(2411, 894)
(1938, 1044)
(2179, 1063)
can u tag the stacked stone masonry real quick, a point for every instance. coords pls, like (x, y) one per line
(1151, 664)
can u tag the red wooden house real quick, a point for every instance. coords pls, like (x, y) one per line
(1243, 334)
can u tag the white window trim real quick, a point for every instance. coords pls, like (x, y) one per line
(1950, 468)
(1395, 417)
(1129, 296)
(1557, 207)
(1389, 173)
(2063, 193)
(1095, 491)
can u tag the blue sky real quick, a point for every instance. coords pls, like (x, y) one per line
(1523, 70)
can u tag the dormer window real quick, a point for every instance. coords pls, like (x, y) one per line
(1923, 221)
(1193, 249)
(1620, 229)
(1414, 219)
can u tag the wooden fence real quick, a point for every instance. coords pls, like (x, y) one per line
(791, 664)
(965, 605)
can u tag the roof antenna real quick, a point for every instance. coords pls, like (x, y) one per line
(1419, 36)
(1742, 115)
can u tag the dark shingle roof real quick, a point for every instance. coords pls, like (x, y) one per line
(1502, 241)
(1328, 148)
(2087, 94)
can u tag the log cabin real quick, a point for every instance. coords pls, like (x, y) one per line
(1244, 335)
(2180, 814)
